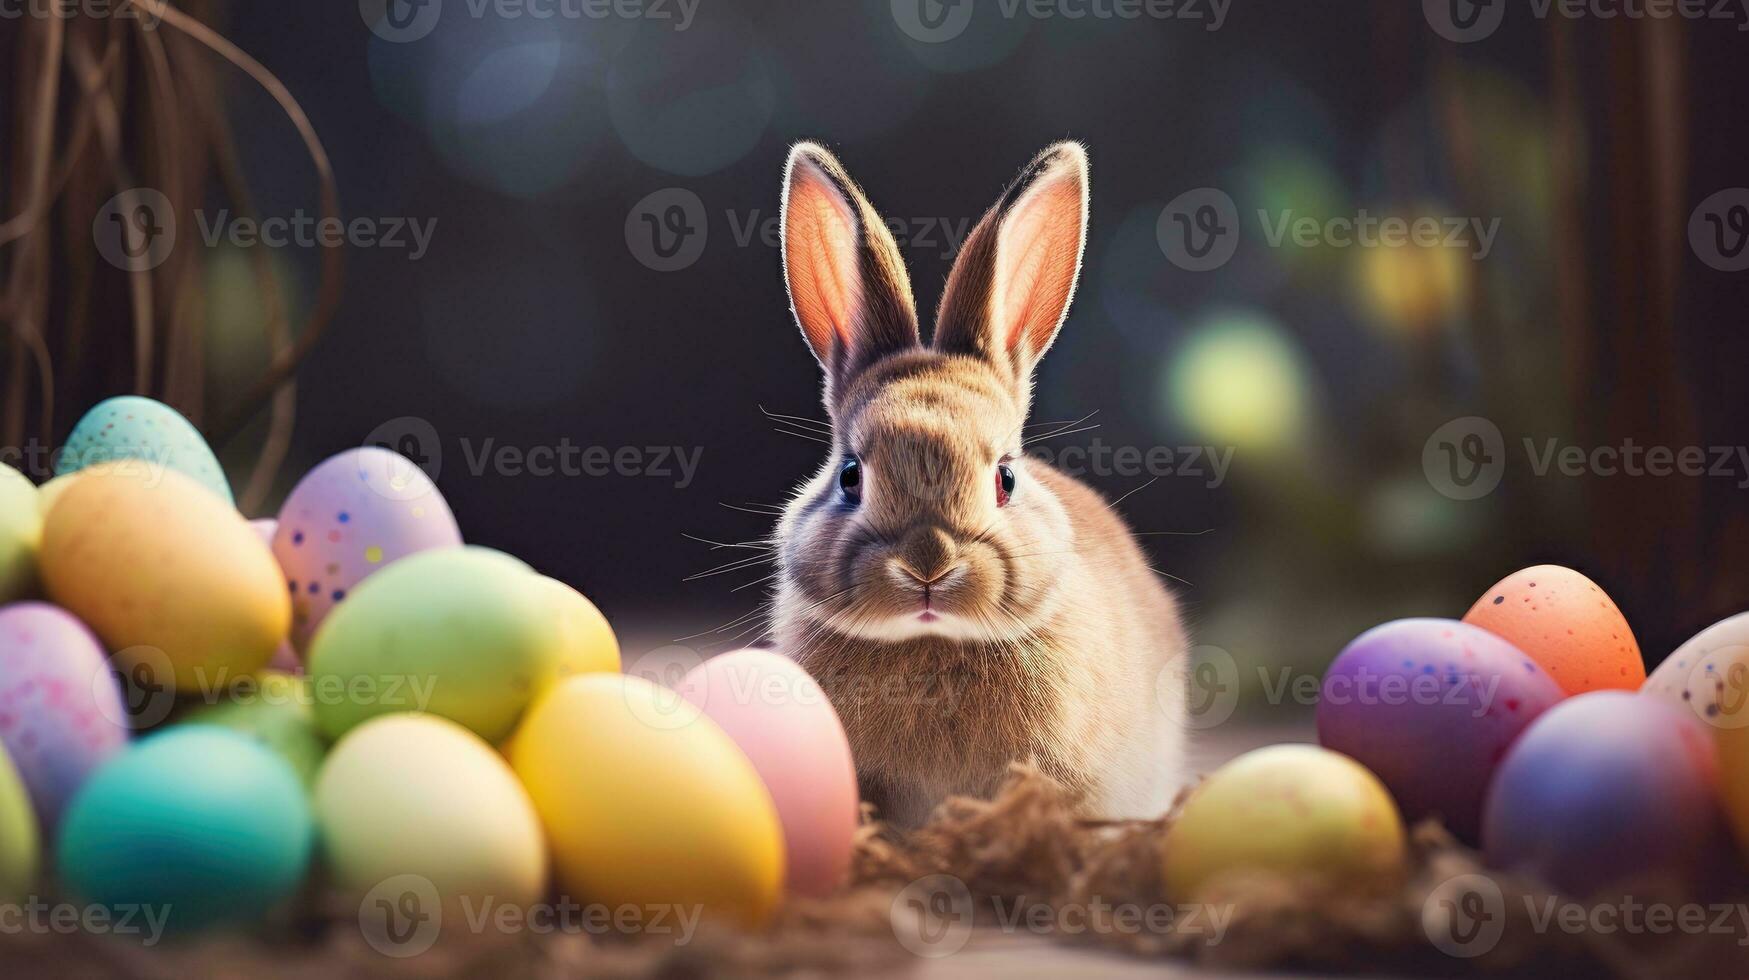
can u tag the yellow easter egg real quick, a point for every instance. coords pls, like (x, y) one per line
(419, 795)
(589, 644)
(21, 531)
(647, 802)
(20, 841)
(1300, 811)
(166, 573)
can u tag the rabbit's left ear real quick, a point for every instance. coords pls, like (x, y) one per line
(847, 283)
(1011, 285)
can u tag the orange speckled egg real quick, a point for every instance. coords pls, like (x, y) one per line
(1567, 624)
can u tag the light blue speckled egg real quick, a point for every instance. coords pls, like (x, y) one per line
(131, 427)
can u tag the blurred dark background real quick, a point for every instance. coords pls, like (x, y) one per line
(536, 317)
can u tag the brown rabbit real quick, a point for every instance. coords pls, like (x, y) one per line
(962, 605)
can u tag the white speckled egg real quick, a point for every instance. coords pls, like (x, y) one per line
(356, 513)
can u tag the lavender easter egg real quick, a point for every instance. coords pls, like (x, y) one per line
(1605, 790)
(1431, 706)
(781, 719)
(348, 518)
(61, 713)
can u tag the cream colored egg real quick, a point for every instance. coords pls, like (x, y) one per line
(415, 794)
(166, 573)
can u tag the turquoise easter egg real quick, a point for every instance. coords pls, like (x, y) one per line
(198, 825)
(153, 433)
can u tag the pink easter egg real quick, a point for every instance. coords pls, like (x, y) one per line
(61, 711)
(356, 513)
(781, 719)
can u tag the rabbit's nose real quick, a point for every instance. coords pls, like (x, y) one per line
(927, 555)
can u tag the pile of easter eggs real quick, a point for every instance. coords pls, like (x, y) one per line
(1529, 728)
(201, 714)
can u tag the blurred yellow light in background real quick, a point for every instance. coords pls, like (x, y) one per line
(1412, 287)
(1239, 381)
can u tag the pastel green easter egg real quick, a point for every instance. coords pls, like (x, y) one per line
(1298, 811)
(415, 794)
(148, 432)
(20, 842)
(275, 709)
(199, 826)
(465, 633)
(21, 534)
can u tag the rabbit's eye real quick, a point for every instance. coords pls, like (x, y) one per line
(850, 480)
(1004, 483)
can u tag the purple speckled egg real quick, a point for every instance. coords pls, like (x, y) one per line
(356, 513)
(285, 658)
(61, 712)
(1608, 790)
(1432, 706)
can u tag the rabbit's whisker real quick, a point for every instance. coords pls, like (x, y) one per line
(733, 566)
(757, 544)
(800, 420)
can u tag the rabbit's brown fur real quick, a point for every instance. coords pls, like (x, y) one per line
(956, 632)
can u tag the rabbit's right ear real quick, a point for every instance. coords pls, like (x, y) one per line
(847, 283)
